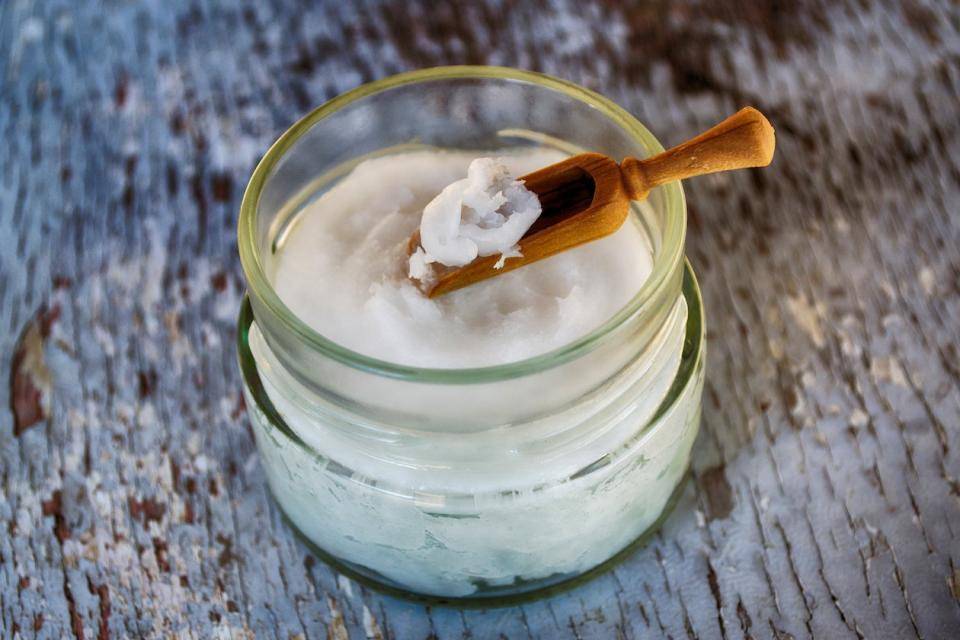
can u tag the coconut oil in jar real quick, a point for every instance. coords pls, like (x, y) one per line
(504, 437)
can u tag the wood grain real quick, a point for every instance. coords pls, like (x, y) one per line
(826, 493)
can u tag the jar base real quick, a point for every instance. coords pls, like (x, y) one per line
(503, 596)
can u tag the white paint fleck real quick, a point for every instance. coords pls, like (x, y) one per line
(235, 149)
(776, 348)
(772, 317)
(343, 582)
(226, 305)
(147, 416)
(848, 346)
(210, 336)
(75, 419)
(72, 551)
(891, 320)
(807, 316)
(370, 625)
(103, 503)
(927, 280)
(104, 339)
(859, 418)
(31, 30)
(227, 404)
(152, 276)
(888, 289)
(890, 370)
(24, 522)
(193, 444)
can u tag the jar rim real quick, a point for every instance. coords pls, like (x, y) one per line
(668, 260)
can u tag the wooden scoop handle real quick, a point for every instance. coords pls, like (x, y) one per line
(743, 140)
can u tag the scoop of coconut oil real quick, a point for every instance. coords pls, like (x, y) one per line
(484, 214)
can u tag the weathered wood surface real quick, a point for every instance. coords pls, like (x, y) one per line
(826, 497)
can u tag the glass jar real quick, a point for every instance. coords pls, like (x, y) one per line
(481, 482)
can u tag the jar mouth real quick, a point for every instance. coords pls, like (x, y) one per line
(666, 262)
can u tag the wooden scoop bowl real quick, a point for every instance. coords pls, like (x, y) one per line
(588, 196)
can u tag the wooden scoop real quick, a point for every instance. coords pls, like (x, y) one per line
(588, 196)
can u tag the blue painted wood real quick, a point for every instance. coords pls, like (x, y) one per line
(826, 496)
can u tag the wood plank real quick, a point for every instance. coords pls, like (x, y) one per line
(826, 496)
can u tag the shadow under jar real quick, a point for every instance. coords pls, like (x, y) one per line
(480, 482)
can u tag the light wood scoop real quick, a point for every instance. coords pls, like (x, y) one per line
(588, 196)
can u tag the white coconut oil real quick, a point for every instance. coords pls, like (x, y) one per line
(343, 268)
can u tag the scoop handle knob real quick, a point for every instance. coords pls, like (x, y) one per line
(745, 139)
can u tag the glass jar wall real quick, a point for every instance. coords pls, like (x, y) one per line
(470, 482)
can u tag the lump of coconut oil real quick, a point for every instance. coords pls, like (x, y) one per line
(484, 214)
